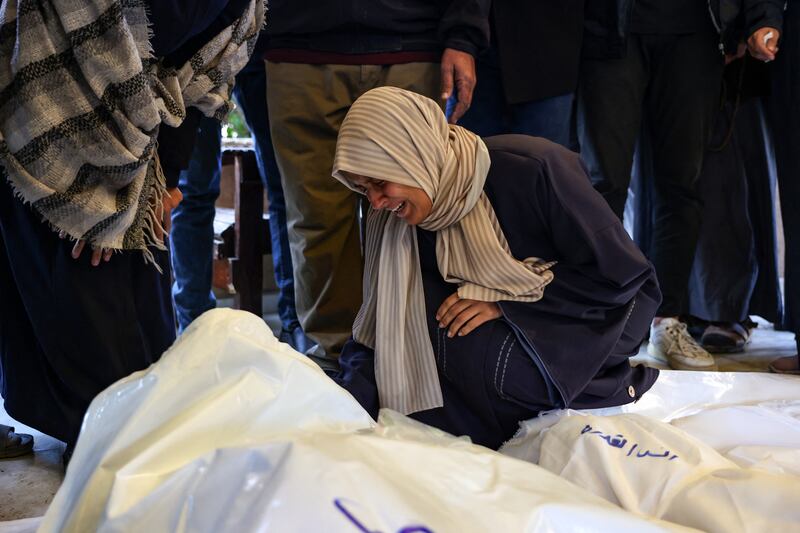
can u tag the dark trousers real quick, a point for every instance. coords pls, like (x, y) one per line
(735, 271)
(69, 330)
(784, 118)
(673, 80)
(489, 383)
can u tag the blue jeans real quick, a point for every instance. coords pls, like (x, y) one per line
(192, 235)
(490, 115)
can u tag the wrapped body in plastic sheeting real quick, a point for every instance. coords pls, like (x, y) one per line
(719, 452)
(232, 431)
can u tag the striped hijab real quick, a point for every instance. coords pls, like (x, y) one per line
(398, 136)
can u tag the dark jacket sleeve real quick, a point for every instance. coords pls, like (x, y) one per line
(177, 39)
(465, 25)
(586, 234)
(604, 294)
(175, 21)
(175, 146)
(763, 14)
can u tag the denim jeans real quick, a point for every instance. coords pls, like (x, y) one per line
(193, 220)
(490, 115)
(192, 234)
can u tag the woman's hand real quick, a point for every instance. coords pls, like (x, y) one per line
(97, 253)
(169, 201)
(460, 316)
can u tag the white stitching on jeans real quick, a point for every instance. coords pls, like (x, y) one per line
(499, 355)
(438, 343)
(630, 311)
(505, 365)
(444, 356)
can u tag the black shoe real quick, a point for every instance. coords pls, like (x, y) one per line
(296, 339)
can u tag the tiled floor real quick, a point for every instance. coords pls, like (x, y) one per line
(27, 484)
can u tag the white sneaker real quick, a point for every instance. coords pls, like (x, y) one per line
(672, 344)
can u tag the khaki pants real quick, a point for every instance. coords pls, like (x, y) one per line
(307, 104)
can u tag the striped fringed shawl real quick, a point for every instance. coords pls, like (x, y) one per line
(81, 101)
(398, 136)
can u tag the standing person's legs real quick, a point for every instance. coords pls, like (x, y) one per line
(784, 114)
(76, 328)
(549, 118)
(251, 93)
(610, 99)
(307, 104)
(17, 337)
(685, 87)
(684, 92)
(192, 234)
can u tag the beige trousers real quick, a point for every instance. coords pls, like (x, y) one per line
(307, 104)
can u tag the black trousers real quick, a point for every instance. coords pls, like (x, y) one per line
(784, 119)
(673, 80)
(69, 330)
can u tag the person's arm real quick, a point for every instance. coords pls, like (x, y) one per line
(597, 262)
(175, 22)
(764, 24)
(589, 239)
(464, 32)
(175, 146)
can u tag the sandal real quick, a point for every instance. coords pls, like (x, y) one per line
(786, 365)
(14, 444)
(726, 337)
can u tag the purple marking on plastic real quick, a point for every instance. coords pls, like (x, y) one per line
(361, 527)
(338, 502)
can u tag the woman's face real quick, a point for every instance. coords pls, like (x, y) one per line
(411, 204)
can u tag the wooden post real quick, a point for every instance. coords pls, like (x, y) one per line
(247, 267)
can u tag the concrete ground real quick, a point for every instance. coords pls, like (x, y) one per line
(28, 484)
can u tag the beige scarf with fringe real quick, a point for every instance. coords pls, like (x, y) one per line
(81, 101)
